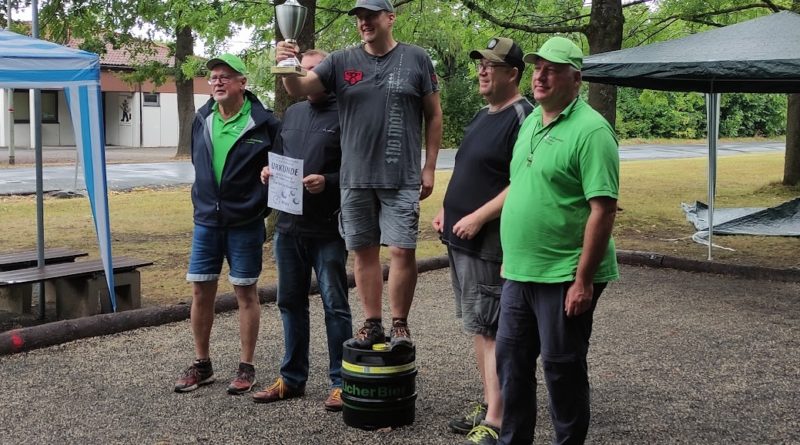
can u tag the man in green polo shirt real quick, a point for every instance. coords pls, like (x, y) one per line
(558, 255)
(232, 135)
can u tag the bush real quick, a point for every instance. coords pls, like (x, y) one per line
(460, 102)
(666, 114)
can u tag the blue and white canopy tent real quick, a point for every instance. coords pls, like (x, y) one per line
(31, 63)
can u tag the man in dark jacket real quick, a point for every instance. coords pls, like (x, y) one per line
(231, 136)
(311, 241)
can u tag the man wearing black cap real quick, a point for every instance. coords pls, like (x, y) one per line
(385, 90)
(231, 136)
(558, 254)
(469, 221)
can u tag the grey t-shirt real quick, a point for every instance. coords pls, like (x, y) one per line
(380, 113)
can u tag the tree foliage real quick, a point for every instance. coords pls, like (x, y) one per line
(448, 30)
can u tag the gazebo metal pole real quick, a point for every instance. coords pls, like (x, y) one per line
(712, 112)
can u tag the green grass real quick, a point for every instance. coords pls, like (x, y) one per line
(156, 224)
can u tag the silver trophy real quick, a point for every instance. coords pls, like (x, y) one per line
(290, 16)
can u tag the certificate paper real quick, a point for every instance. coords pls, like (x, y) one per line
(285, 184)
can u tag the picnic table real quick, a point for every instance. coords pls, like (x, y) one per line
(29, 258)
(79, 287)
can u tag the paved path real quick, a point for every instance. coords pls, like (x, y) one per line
(130, 167)
(676, 357)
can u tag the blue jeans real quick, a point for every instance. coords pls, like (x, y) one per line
(532, 321)
(295, 258)
(242, 246)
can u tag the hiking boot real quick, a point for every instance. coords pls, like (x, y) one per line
(278, 391)
(369, 334)
(244, 380)
(334, 400)
(483, 434)
(473, 418)
(199, 374)
(400, 337)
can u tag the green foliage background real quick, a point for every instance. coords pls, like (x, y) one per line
(448, 30)
(663, 114)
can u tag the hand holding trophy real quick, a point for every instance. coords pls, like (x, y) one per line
(290, 16)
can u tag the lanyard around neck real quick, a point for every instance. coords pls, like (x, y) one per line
(534, 146)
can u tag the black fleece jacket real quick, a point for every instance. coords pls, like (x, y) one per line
(311, 132)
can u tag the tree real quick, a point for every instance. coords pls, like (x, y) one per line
(184, 87)
(791, 166)
(120, 23)
(603, 31)
(306, 40)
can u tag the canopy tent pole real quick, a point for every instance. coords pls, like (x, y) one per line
(712, 114)
(9, 112)
(37, 146)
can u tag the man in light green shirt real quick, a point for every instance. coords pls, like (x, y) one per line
(558, 255)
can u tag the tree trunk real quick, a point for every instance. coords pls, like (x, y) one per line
(791, 167)
(184, 48)
(604, 33)
(306, 41)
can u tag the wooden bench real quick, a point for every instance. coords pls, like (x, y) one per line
(80, 287)
(29, 258)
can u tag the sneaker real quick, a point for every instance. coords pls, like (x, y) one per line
(195, 376)
(368, 335)
(334, 400)
(278, 391)
(244, 380)
(483, 434)
(400, 337)
(473, 418)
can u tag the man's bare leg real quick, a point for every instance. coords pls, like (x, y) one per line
(369, 280)
(402, 280)
(484, 351)
(249, 320)
(202, 316)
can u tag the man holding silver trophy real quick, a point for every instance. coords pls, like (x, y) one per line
(385, 90)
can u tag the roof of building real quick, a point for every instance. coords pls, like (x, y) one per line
(122, 57)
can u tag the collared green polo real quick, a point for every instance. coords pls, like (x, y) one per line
(225, 133)
(555, 171)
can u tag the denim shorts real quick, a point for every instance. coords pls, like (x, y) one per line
(243, 246)
(477, 286)
(373, 217)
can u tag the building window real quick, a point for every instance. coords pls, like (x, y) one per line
(151, 99)
(22, 107)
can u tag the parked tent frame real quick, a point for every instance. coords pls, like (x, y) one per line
(756, 56)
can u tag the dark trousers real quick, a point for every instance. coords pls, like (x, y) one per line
(533, 322)
(296, 257)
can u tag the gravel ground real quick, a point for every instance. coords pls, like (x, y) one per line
(676, 358)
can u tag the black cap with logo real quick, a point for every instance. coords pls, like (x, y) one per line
(503, 50)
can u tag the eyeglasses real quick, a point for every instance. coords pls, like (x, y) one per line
(489, 67)
(221, 79)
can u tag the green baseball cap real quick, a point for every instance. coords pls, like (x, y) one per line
(558, 50)
(228, 59)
